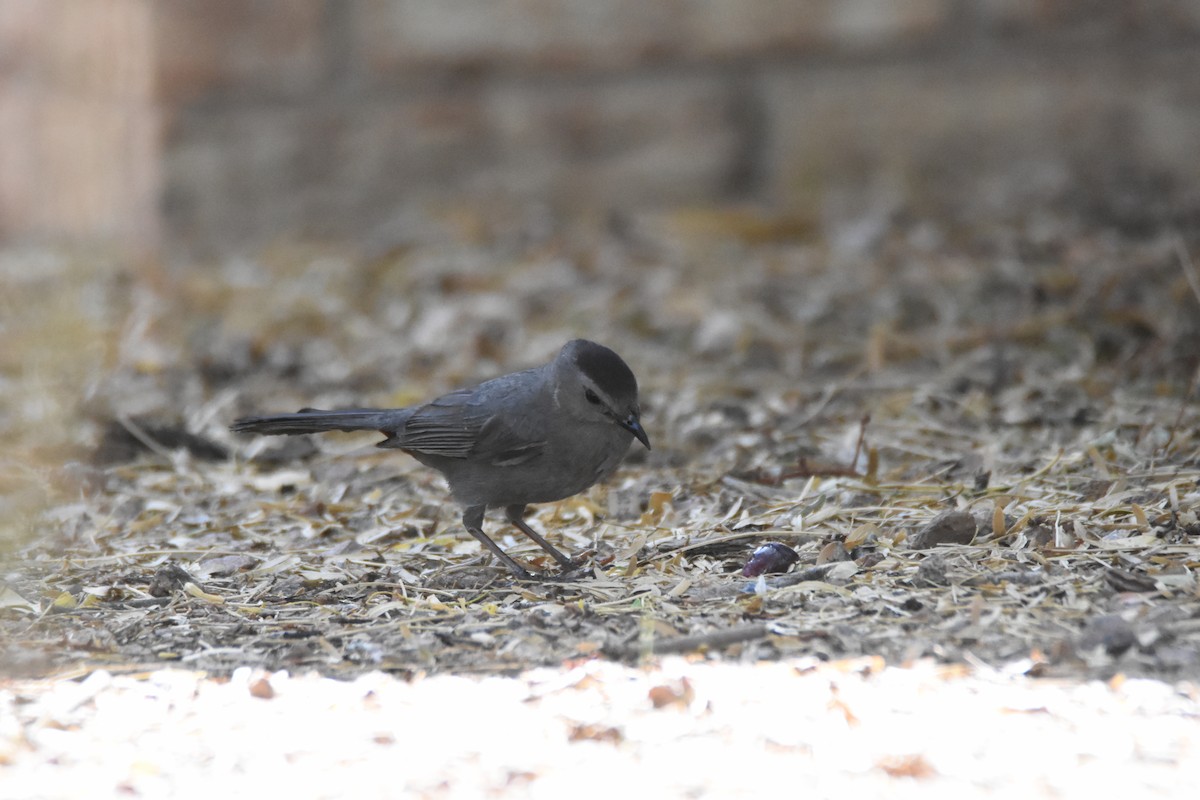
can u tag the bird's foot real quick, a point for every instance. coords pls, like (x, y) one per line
(522, 574)
(576, 572)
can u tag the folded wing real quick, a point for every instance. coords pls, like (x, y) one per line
(465, 424)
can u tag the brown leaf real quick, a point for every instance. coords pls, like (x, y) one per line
(909, 766)
(260, 687)
(590, 731)
(676, 693)
(834, 551)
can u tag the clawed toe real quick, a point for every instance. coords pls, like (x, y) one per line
(576, 572)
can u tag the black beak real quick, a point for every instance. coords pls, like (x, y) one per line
(634, 426)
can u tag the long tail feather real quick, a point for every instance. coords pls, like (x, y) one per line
(315, 420)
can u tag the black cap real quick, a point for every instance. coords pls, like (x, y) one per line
(605, 368)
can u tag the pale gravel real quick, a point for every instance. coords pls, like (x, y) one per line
(789, 728)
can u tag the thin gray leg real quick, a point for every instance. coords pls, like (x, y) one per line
(516, 515)
(473, 522)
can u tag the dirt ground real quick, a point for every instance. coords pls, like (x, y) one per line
(982, 443)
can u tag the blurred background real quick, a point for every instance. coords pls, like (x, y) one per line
(200, 127)
(213, 206)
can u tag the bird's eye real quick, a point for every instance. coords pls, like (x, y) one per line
(591, 397)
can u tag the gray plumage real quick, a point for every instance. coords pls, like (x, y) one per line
(535, 436)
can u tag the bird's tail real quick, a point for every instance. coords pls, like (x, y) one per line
(314, 420)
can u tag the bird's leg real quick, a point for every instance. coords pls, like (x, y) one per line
(516, 515)
(473, 522)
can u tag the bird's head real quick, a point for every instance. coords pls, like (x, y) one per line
(594, 383)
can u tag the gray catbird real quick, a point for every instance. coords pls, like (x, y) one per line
(528, 437)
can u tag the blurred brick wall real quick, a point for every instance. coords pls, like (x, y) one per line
(207, 125)
(78, 127)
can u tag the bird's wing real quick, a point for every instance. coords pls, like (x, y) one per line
(447, 426)
(505, 443)
(468, 424)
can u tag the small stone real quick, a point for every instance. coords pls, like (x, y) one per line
(1111, 632)
(931, 572)
(768, 558)
(1039, 537)
(169, 579)
(949, 527)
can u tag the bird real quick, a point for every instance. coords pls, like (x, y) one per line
(534, 436)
